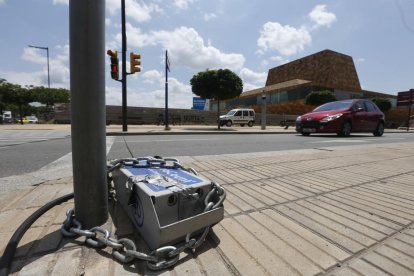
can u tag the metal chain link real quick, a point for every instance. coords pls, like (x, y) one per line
(124, 250)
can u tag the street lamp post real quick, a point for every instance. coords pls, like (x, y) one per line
(47, 51)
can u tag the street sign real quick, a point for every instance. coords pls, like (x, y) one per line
(199, 103)
(405, 98)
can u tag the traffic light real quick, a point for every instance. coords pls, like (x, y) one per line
(135, 62)
(114, 64)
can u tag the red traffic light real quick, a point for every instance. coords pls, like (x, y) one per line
(114, 64)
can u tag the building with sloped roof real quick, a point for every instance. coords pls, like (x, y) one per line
(325, 70)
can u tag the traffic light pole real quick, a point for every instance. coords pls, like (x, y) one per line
(124, 73)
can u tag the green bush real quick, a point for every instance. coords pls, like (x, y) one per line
(320, 97)
(382, 103)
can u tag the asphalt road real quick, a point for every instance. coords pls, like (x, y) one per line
(28, 151)
(24, 152)
(193, 145)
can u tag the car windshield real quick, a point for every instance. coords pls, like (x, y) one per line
(334, 106)
(231, 112)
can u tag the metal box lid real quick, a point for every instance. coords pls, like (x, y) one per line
(158, 181)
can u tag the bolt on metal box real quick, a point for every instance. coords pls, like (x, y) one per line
(165, 203)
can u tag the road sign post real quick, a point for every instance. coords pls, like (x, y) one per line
(409, 109)
(263, 111)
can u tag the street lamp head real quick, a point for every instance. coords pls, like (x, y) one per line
(38, 47)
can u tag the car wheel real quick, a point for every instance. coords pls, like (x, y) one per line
(228, 123)
(346, 129)
(379, 131)
(305, 133)
(250, 123)
(242, 125)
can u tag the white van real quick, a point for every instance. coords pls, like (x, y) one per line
(7, 117)
(239, 116)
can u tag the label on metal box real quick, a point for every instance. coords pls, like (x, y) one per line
(180, 176)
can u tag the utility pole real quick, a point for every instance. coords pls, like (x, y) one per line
(124, 73)
(87, 86)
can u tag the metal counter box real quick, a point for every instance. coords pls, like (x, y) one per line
(164, 204)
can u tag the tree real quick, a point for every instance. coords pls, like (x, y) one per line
(383, 104)
(14, 94)
(218, 84)
(50, 96)
(320, 97)
(2, 89)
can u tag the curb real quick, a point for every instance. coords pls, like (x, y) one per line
(192, 133)
(168, 132)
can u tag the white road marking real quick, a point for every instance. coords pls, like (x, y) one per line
(339, 141)
(166, 140)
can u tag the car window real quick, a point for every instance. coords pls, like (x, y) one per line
(370, 107)
(238, 113)
(334, 106)
(245, 113)
(251, 113)
(231, 112)
(359, 105)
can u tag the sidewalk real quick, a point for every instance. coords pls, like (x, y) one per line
(332, 211)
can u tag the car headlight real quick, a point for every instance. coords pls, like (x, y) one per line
(331, 118)
(298, 119)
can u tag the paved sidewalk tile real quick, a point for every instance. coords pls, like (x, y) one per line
(346, 211)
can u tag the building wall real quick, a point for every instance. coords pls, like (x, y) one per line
(144, 115)
(325, 70)
(344, 95)
(327, 67)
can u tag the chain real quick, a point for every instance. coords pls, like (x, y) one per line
(124, 250)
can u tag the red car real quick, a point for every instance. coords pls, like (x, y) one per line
(343, 117)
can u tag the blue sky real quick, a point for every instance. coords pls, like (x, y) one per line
(248, 37)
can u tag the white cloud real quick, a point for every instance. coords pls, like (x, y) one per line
(153, 77)
(59, 67)
(360, 59)
(280, 60)
(26, 78)
(56, 2)
(186, 47)
(179, 94)
(34, 55)
(286, 40)
(141, 12)
(250, 76)
(183, 4)
(321, 17)
(209, 16)
(2, 2)
(251, 79)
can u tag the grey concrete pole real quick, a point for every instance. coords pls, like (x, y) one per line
(87, 85)
(263, 111)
